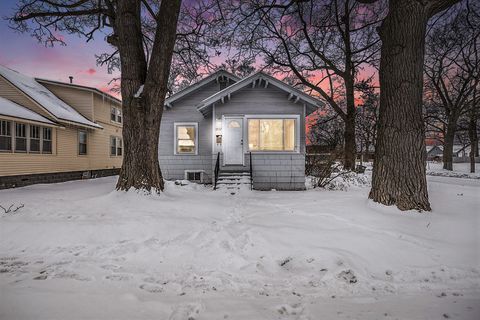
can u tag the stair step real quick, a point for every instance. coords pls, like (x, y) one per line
(233, 173)
(233, 178)
(233, 182)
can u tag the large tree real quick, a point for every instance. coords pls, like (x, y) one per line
(399, 176)
(145, 57)
(320, 45)
(452, 72)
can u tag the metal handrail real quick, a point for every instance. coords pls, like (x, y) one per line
(217, 169)
(251, 172)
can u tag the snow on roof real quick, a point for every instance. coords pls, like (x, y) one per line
(45, 98)
(11, 109)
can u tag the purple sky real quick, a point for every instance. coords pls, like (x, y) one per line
(24, 54)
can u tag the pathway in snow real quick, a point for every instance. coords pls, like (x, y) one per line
(196, 254)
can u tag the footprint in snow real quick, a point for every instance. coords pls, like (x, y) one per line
(188, 311)
(295, 309)
(151, 288)
(118, 277)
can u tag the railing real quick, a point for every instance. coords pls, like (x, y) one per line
(217, 169)
(251, 172)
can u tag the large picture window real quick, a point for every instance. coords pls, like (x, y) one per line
(271, 134)
(186, 140)
(5, 136)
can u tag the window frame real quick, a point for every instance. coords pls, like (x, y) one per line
(295, 117)
(10, 132)
(30, 138)
(118, 115)
(86, 143)
(175, 139)
(48, 140)
(118, 145)
(25, 137)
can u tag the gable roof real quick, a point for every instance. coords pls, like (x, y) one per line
(214, 76)
(81, 87)
(45, 98)
(11, 109)
(310, 102)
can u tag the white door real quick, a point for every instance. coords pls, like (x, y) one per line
(233, 146)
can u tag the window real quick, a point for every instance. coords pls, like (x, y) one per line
(47, 140)
(271, 134)
(5, 135)
(113, 114)
(20, 137)
(119, 116)
(116, 115)
(115, 146)
(195, 176)
(34, 139)
(82, 142)
(186, 139)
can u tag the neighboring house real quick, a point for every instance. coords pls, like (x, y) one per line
(52, 131)
(226, 118)
(434, 153)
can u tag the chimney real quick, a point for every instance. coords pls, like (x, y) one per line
(71, 79)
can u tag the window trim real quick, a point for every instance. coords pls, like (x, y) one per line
(175, 141)
(296, 117)
(26, 137)
(118, 115)
(43, 140)
(202, 175)
(78, 143)
(11, 136)
(40, 130)
(118, 141)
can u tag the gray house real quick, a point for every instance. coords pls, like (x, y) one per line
(228, 130)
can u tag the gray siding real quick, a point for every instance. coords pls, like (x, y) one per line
(184, 110)
(281, 171)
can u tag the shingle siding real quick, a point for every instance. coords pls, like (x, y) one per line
(281, 171)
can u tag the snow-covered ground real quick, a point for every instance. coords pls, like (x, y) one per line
(79, 250)
(460, 170)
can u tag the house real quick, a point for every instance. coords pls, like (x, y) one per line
(222, 128)
(53, 131)
(434, 153)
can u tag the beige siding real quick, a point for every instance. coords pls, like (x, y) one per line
(65, 145)
(81, 100)
(10, 92)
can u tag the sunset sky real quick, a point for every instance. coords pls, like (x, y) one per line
(23, 53)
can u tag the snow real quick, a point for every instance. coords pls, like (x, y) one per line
(139, 92)
(11, 109)
(80, 250)
(44, 97)
(460, 170)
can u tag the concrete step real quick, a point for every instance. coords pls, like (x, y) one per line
(233, 173)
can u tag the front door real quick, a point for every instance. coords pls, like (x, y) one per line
(233, 146)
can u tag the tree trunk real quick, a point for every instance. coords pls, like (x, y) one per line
(472, 134)
(142, 110)
(448, 145)
(399, 167)
(349, 134)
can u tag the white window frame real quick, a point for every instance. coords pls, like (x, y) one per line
(118, 142)
(78, 143)
(175, 141)
(118, 114)
(296, 117)
(11, 136)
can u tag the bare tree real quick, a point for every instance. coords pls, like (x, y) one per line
(367, 118)
(323, 45)
(399, 168)
(452, 70)
(145, 69)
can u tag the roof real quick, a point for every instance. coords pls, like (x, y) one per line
(45, 98)
(11, 109)
(214, 76)
(311, 103)
(81, 87)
